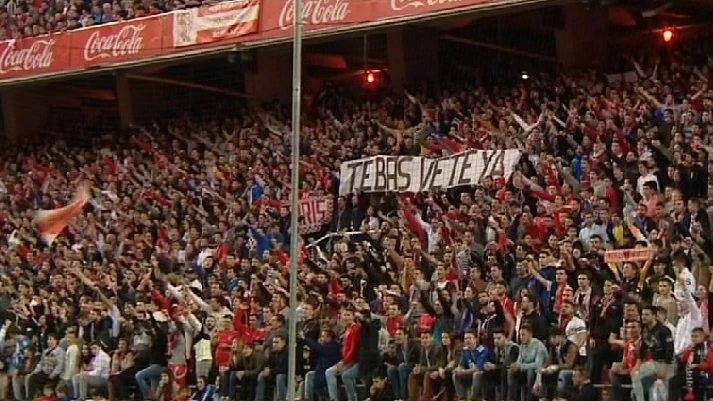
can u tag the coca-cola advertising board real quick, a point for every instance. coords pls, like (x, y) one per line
(19, 58)
(335, 14)
(118, 42)
(234, 22)
(84, 48)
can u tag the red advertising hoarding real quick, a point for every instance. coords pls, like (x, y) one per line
(232, 22)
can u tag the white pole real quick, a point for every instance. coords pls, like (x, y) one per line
(294, 197)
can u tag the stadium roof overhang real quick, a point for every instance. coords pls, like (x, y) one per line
(506, 6)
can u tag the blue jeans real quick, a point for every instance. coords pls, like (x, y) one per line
(398, 377)
(462, 383)
(143, 377)
(226, 384)
(520, 383)
(309, 386)
(349, 375)
(564, 382)
(280, 386)
(75, 385)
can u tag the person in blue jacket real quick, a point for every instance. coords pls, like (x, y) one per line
(470, 369)
(326, 353)
(203, 391)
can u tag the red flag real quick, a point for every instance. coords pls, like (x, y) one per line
(50, 223)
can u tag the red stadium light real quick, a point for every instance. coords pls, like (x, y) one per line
(667, 35)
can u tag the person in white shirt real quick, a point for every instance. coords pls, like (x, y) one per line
(72, 355)
(690, 318)
(201, 339)
(645, 175)
(687, 282)
(590, 229)
(575, 330)
(98, 376)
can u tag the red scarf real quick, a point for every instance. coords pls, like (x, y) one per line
(559, 297)
(564, 321)
(606, 306)
(586, 298)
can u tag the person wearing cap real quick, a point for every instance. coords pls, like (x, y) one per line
(305, 364)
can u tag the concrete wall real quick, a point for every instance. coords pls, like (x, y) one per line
(123, 97)
(413, 57)
(140, 101)
(583, 41)
(25, 112)
(272, 77)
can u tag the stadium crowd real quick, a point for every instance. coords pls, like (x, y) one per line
(23, 18)
(172, 283)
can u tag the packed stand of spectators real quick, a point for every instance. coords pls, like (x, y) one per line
(23, 18)
(172, 283)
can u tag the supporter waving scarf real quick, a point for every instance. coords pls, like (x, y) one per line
(50, 223)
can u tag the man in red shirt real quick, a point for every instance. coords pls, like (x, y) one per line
(347, 368)
(223, 343)
(620, 372)
(395, 319)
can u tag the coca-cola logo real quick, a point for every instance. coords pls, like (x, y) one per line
(126, 42)
(315, 12)
(38, 56)
(400, 5)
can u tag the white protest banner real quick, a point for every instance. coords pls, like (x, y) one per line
(419, 174)
(315, 212)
